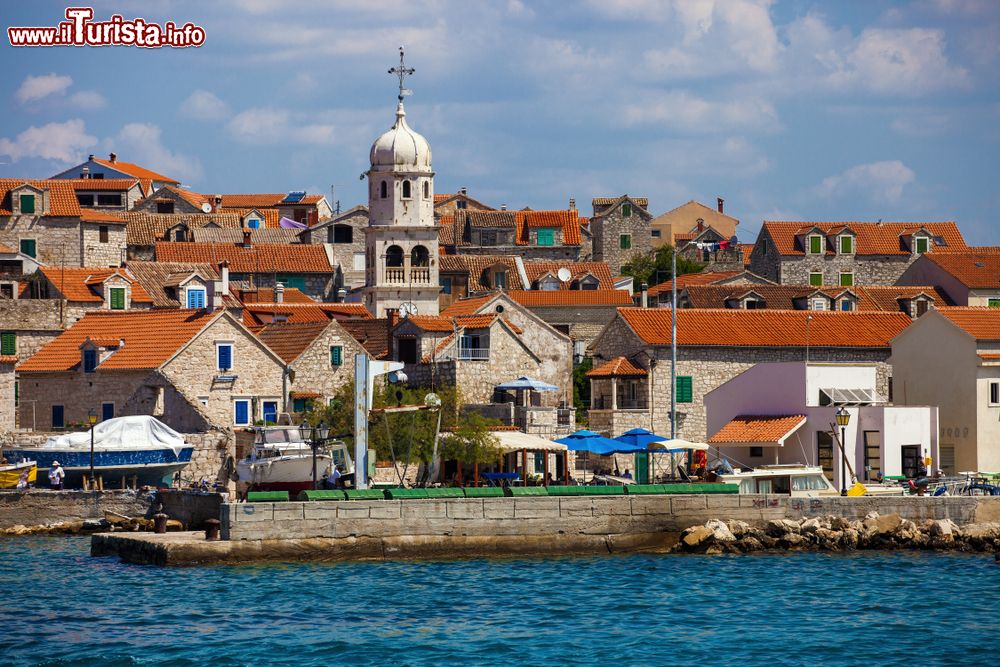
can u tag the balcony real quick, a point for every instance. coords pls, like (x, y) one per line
(396, 276)
(474, 353)
(604, 403)
(420, 275)
(416, 275)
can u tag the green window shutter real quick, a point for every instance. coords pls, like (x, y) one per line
(27, 204)
(546, 237)
(336, 355)
(296, 282)
(846, 245)
(846, 279)
(117, 298)
(625, 241)
(8, 343)
(993, 303)
(815, 245)
(685, 389)
(921, 245)
(816, 279)
(626, 210)
(29, 248)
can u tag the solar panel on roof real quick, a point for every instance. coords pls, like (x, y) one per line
(294, 197)
(939, 240)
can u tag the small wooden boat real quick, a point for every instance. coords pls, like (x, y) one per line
(11, 474)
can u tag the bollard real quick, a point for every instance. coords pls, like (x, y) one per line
(212, 529)
(160, 523)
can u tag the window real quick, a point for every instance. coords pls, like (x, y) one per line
(6, 290)
(923, 303)
(846, 245)
(626, 210)
(253, 223)
(763, 246)
(343, 234)
(393, 256)
(102, 233)
(165, 207)
(655, 233)
(685, 389)
(383, 190)
(241, 412)
(846, 279)
(754, 304)
(203, 400)
(846, 305)
(550, 283)
(625, 241)
(269, 412)
(994, 393)
(8, 343)
(815, 245)
(180, 235)
(107, 411)
(224, 356)
(301, 404)
(89, 360)
(445, 283)
(500, 279)
(815, 279)
(295, 282)
(117, 298)
(420, 256)
(539, 461)
(993, 303)
(921, 244)
(546, 237)
(58, 417)
(195, 297)
(29, 247)
(873, 455)
(824, 453)
(85, 199)
(427, 189)
(406, 190)
(27, 204)
(336, 355)
(818, 304)
(461, 204)
(756, 452)
(488, 237)
(112, 199)
(408, 350)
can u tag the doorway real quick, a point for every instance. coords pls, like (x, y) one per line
(824, 453)
(873, 455)
(911, 460)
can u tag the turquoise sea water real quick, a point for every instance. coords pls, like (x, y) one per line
(62, 607)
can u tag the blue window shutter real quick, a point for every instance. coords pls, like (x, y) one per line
(107, 411)
(196, 298)
(336, 355)
(242, 412)
(89, 361)
(271, 411)
(57, 416)
(225, 357)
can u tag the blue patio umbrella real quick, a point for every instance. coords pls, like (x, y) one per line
(526, 383)
(588, 441)
(639, 439)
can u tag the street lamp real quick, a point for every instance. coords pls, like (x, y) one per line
(317, 436)
(92, 420)
(843, 419)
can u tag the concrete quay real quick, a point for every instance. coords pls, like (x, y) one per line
(476, 527)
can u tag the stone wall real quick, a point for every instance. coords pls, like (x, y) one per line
(607, 230)
(58, 241)
(867, 269)
(584, 322)
(8, 419)
(313, 370)
(191, 508)
(37, 507)
(102, 253)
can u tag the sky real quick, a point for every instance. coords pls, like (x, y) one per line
(790, 110)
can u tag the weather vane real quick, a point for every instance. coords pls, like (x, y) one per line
(402, 71)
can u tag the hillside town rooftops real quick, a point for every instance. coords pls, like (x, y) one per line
(758, 430)
(974, 268)
(617, 367)
(872, 238)
(257, 258)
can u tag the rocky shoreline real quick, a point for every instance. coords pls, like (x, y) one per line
(833, 533)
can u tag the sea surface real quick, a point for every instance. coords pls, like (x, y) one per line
(62, 607)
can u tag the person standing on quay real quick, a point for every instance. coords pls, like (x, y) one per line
(56, 476)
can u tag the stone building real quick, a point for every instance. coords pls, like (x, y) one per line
(689, 218)
(970, 277)
(708, 246)
(114, 195)
(660, 295)
(847, 253)
(144, 230)
(259, 210)
(449, 204)
(713, 346)
(620, 229)
(556, 235)
(344, 234)
(951, 358)
(192, 369)
(100, 169)
(44, 221)
(319, 358)
(88, 288)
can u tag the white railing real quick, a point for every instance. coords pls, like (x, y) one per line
(395, 275)
(420, 274)
(474, 353)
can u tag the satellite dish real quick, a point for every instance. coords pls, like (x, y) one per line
(206, 208)
(432, 399)
(564, 274)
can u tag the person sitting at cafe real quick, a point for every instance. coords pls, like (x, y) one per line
(626, 474)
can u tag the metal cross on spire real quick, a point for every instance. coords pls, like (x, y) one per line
(402, 71)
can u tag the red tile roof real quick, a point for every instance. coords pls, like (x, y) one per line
(8, 359)
(784, 297)
(289, 341)
(295, 313)
(151, 338)
(154, 276)
(83, 283)
(608, 201)
(600, 270)
(102, 216)
(133, 169)
(103, 183)
(62, 196)
(617, 367)
(268, 200)
(702, 278)
(148, 228)
(266, 295)
(746, 429)
(603, 297)
(476, 265)
(259, 258)
(974, 268)
(982, 323)
(872, 238)
(372, 334)
(435, 323)
(466, 306)
(746, 249)
(766, 328)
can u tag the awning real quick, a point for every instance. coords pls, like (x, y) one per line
(758, 430)
(525, 382)
(515, 441)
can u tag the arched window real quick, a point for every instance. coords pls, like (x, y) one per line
(419, 256)
(383, 190)
(427, 189)
(394, 256)
(406, 190)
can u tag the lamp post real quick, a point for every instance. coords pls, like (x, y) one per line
(843, 419)
(318, 435)
(92, 420)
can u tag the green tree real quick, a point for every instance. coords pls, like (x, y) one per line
(581, 390)
(654, 268)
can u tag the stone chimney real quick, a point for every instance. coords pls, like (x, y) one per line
(463, 191)
(572, 204)
(392, 314)
(247, 243)
(217, 200)
(503, 207)
(113, 157)
(644, 292)
(279, 293)
(224, 273)
(721, 203)
(85, 172)
(701, 225)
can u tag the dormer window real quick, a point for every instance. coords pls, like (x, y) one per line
(195, 297)
(27, 204)
(116, 298)
(846, 305)
(89, 360)
(253, 223)
(815, 244)
(753, 303)
(920, 244)
(500, 279)
(626, 210)
(818, 303)
(549, 283)
(846, 244)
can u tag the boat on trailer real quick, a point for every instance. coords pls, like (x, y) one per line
(282, 460)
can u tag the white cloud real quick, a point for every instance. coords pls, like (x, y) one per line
(681, 110)
(879, 181)
(62, 142)
(204, 105)
(262, 126)
(921, 124)
(35, 88)
(141, 143)
(88, 99)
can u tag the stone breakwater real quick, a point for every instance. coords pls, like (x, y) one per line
(834, 533)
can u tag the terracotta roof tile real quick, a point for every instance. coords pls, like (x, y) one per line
(476, 321)
(687, 279)
(133, 169)
(289, 341)
(260, 258)
(272, 216)
(62, 196)
(608, 201)
(600, 270)
(872, 238)
(257, 236)
(83, 284)
(102, 216)
(372, 334)
(602, 297)
(154, 276)
(766, 328)
(8, 359)
(431, 322)
(757, 429)
(466, 306)
(617, 367)
(784, 297)
(476, 266)
(269, 200)
(982, 323)
(746, 249)
(103, 183)
(266, 295)
(143, 229)
(974, 268)
(151, 338)
(296, 313)
(504, 219)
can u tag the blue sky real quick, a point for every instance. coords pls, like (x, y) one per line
(853, 110)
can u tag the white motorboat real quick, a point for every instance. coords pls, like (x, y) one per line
(796, 480)
(282, 460)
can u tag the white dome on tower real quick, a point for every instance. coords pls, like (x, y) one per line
(401, 147)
